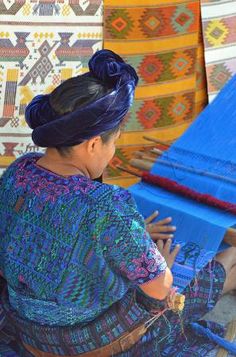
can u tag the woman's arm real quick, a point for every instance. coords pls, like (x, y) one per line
(158, 288)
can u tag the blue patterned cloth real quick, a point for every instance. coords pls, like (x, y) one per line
(69, 247)
(73, 252)
(170, 336)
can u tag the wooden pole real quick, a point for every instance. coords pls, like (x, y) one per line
(157, 141)
(141, 164)
(156, 151)
(196, 171)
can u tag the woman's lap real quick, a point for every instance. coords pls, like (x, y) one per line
(169, 336)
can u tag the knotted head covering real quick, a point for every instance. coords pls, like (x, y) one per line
(51, 129)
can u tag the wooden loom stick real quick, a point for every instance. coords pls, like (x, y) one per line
(144, 156)
(156, 151)
(188, 168)
(230, 235)
(138, 154)
(229, 336)
(148, 158)
(142, 165)
(129, 171)
(154, 140)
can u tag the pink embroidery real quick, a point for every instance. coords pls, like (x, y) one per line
(50, 187)
(144, 266)
(21, 278)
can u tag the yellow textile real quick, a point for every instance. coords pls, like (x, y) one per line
(162, 40)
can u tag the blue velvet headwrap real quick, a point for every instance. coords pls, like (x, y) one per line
(95, 118)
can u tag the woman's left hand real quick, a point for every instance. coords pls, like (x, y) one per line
(160, 229)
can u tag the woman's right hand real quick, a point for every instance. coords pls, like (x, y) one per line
(161, 229)
(164, 248)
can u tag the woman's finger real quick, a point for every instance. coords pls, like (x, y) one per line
(160, 245)
(152, 217)
(167, 246)
(164, 221)
(162, 236)
(155, 228)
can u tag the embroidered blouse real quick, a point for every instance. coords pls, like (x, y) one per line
(69, 247)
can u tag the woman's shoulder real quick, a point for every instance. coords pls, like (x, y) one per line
(115, 203)
(29, 157)
(20, 162)
(111, 195)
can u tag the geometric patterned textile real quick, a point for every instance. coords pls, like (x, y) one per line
(86, 250)
(162, 40)
(42, 43)
(6, 351)
(170, 335)
(219, 21)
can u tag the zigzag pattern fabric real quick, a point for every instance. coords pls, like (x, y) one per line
(218, 21)
(162, 40)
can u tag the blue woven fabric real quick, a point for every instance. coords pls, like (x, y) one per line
(72, 252)
(208, 150)
(73, 248)
(207, 146)
(169, 336)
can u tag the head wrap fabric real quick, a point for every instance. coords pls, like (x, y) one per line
(51, 129)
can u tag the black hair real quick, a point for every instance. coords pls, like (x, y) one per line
(66, 150)
(74, 93)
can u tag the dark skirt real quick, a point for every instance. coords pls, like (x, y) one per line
(170, 336)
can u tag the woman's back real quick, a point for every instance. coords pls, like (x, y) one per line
(70, 247)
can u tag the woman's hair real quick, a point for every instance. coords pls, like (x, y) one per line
(75, 93)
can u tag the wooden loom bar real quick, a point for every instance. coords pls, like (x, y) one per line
(141, 165)
(154, 140)
(156, 151)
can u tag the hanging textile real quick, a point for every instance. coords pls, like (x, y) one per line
(162, 40)
(41, 44)
(219, 19)
(203, 159)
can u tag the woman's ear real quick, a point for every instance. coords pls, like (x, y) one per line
(93, 144)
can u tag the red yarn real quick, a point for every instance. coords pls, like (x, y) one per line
(175, 187)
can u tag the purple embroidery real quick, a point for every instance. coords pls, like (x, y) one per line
(144, 266)
(46, 184)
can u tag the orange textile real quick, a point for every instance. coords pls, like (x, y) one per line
(163, 41)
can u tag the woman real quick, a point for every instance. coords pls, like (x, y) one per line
(83, 275)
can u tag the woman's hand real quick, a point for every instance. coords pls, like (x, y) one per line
(160, 232)
(164, 249)
(160, 229)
